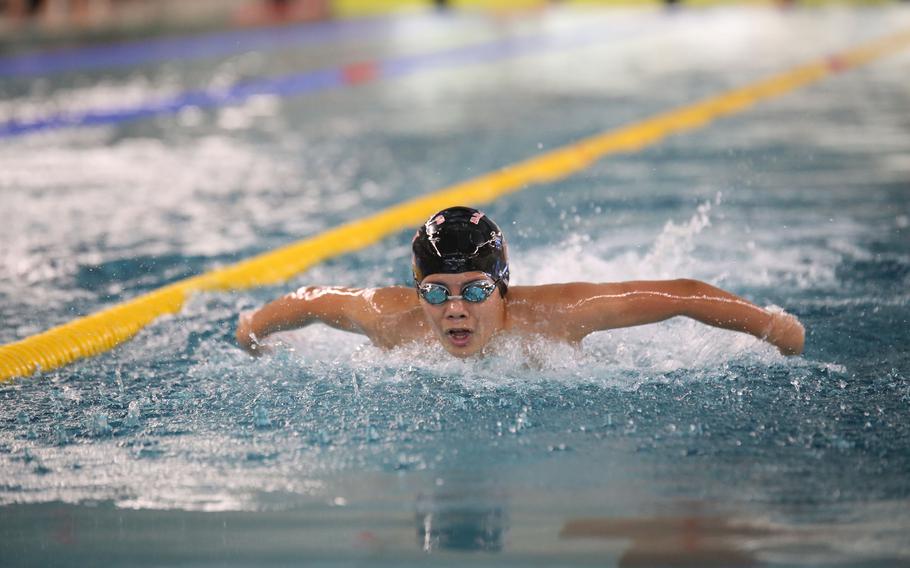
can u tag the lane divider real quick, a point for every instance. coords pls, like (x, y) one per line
(318, 80)
(103, 330)
(219, 44)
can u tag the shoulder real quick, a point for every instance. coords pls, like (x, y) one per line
(563, 311)
(561, 296)
(379, 300)
(391, 299)
(393, 315)
(543, 309)
(579, 294)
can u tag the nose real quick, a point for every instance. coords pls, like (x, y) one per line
(455, 309)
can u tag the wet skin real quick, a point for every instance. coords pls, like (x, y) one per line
(568, 312)
(464, 328)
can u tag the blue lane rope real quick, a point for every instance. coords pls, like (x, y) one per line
(186, 48)
(308, 82)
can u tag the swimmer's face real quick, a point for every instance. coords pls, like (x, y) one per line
(463, 327)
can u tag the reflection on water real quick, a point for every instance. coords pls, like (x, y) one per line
(700, 534)
(460, 520)
(674, 541)
(175, 449)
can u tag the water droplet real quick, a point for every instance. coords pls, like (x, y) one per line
(323, 438)
(407, 462)
(261, 417)
(132, 415)
(372, 435)
(98, 424)
(521, 421)
(60, 436)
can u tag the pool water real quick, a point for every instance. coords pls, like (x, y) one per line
(667, 444)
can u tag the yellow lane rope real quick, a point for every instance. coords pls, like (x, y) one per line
(103, 330)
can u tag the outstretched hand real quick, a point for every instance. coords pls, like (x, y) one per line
(786, 333)
(247, 339)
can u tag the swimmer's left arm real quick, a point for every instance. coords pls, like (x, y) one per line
(595, 307)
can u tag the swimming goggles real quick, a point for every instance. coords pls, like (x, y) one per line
(474, 292)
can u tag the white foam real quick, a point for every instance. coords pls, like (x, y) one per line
(622, 358)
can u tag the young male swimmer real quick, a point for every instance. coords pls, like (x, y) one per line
(463, 300)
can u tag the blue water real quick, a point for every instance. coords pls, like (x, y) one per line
(669, 441)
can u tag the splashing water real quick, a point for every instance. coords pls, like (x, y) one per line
(504, 449)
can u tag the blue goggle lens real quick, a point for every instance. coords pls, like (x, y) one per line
(474, 292)
(434, 294)
(477, 291)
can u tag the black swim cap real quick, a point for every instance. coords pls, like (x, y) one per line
(461, 239)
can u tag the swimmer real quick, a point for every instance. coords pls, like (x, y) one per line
(462, 299)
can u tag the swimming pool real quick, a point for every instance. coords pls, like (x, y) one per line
(672, 440)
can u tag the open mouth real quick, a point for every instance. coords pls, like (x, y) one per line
(460, 336)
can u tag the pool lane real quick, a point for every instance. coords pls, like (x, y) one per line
(219, 44)
(310, 82)
(99, 332)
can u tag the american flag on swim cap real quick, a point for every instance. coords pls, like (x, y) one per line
(460, 239)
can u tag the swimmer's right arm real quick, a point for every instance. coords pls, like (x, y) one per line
(341, 308)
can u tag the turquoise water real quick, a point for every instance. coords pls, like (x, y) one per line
(669, 441)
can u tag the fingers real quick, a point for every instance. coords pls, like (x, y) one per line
(787, 333)
(246, 338)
